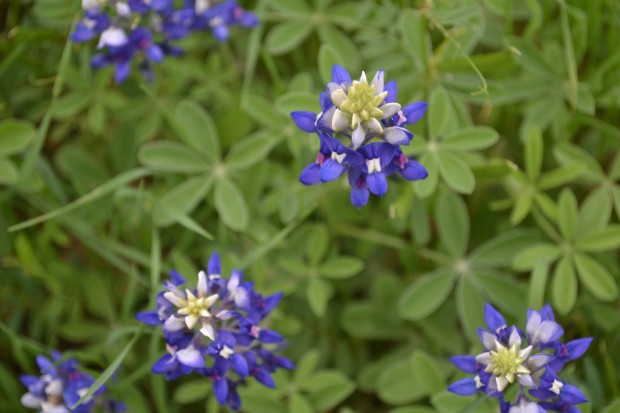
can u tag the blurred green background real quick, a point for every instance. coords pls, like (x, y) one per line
(104, 188)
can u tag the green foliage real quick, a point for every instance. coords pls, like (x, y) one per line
(106, 187)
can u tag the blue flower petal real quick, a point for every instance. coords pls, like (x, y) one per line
(305, 120)
(493, 318)
(220, 390)
(414, 112)
(331, 170)
(311, 174)
(414, 171)
(377, 183)
(239, 365)
(149, 317)
(465, 363)
(340, 75)
(464, 387)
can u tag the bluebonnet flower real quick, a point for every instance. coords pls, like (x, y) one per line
(531, 358)
(217, 330)
(144, 29)
(359, 112)
(61, 385)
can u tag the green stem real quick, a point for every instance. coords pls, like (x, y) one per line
(569, 53)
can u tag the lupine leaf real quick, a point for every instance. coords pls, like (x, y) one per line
(567, 208)
(196, 128)
(169, 156)
(564, 286)
(428, 373)
(286, 36)
(472, 138)
(455, 172)
(341, 267)
(14, 136)
(425, 295)
(453, 223)
(231, 205)
(318, 294)
(596, 278)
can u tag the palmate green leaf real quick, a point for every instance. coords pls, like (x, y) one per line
(530, 257)
(502, 249)
(534, 150)
(596, 278)
(318, 243)
(15, 135)
(567, 208)
(398, 385)
(425, 295)
(456, 172)
(426, 187)
(560, 176)
(328, 57)
(230, 205)
(412, 409)
(415, 37)
(343, 46)
(595, 213)
(299, 403)
(538, 285)
(181, 199)
(470, 307)
(291, 6)
(522, 206)
(196, 128)
(96, 118)
(452, 220)
(318, 294)
(564, 286)
(470, 139)
(8, 172)
(566, 153)
(168, 156)
(71, 104)
(328, 388)
(306, 366)
(250, 150)
(602, 240)
(254, 403)
(428, 372)
(503, 291)
(286, 36)
(261, 110)
(341, 267)
(293, 101)
(370, 321)
(441, 112)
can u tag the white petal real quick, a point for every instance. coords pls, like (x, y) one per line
(488, 340)
(211, 299)
(31, 402)
(358, 137)
(207, 330)
(174, 323)
(191, 320)
(363, 78)
(175, 299)
(484, 359)
(341, 121)
(525, 353)
(378, 82)
(122, 9)
(515, 338)
(374, 125)
(390, 109)
(502, 382)
(332, 87)
(190, 356)
(113, 36)
(338, 97)
(202, 284)
(533, 323)
(526, 380)
(54, 388)
(396, 136)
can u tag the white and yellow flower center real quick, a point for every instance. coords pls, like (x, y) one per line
(192, 307)
(359, 101)
(507, 363)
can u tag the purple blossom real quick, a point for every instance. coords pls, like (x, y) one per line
(529, 359)
(216, 329)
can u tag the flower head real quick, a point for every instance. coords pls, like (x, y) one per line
(354, 113)
(143, 29)
(530, 359)
(61, 386)
(216, 329)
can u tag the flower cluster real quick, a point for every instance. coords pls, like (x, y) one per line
(147, 28)
(215, 330)
(532, 359)
(61, 386)
(358, 112)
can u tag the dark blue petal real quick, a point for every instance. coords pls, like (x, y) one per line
(359, 196)
(392, 90)
(414, 171)
(165, 364)
(154, 53)
(464, 387)
(177, 279)
(149, 317)
(572, 395)
(122, 71)
(493, 318)
(99, 60)
(331, 170)
(546, 313)
(311, 174)
(239, 365)
(264, 378)
(46, 366)
(269, 336)
(377, 183)
(304, 120)
(414, 112)
(465, 363)
(220, 32)
(576, 348)
(385, 152)
(220, 389)
(214, 267)
(340, 75)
